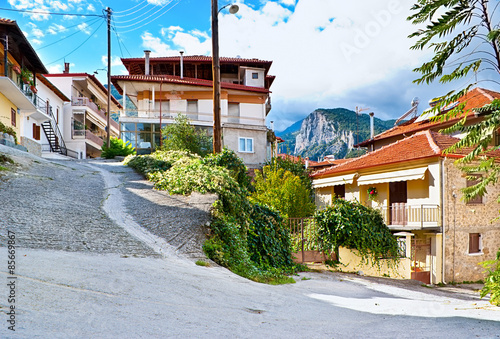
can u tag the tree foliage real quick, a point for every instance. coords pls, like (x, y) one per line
(465, 42)
(492, 282)
(182, 136)
(352, 225)
(117, 148)
(283, 191)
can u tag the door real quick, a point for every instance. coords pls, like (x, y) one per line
(397, 201)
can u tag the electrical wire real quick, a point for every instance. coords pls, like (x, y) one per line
(120, 42)
(91, 35)
(138, 22)
(135, 28)
(95, 20)
(127, 10)
(135, 18)
(46, 13)
(138, 10)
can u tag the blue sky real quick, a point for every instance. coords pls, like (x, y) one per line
(325, 53)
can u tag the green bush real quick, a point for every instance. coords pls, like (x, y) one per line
(295, 167)
(117, 148)
(248, 239)
(350, 224)
(229, 160)
(9, 130)
(492, 281)
(182, 136)
(282, 191)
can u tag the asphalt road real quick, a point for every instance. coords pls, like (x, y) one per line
(150, 288)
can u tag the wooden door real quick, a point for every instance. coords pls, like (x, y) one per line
(398, 195)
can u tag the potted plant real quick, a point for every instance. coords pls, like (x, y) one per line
(372, 193)
(16, 69)
(26, 75)
(33, 88)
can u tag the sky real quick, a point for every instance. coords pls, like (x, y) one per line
(325, 53)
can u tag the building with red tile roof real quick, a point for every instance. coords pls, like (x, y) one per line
(163, 87)
(416, 186)
(477, 97)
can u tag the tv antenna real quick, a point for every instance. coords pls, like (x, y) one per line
(358, 112)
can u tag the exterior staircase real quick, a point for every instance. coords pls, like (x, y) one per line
(55, 138)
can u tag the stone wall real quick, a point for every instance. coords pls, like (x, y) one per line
(33, 146)
(461, 219)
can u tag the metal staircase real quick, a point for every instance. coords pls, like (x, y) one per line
(54, 135)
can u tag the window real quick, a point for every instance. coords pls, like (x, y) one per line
(478, 199)
(255, 75)
(475, 243)
(13, 117)
(339, 191)
(192, 106)
(36, 132)
(233, 110)
(246, 145)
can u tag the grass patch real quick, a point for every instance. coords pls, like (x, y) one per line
(305, 278)
(202, 263)
(2, 168)
(4, 158)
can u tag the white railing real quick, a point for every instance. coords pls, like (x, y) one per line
(86, 102)
(412, 216)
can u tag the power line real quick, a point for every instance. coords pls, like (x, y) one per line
(133, 29)
(69, 36)
(91, 35)
(137, 17)
(120, 42)
(120, 16)
(46, 13)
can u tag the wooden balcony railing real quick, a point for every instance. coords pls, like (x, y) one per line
(402, 215)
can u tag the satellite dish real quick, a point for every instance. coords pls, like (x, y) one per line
(234, 9)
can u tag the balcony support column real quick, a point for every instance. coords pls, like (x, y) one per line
(6, 55)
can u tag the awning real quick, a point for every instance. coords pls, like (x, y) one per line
(403, 175)
(334, 181)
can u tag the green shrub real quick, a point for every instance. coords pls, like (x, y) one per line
(492, 281)
(9, 130)
(117, 148)
(248, 239)
(350, 224)
(182, 136)
(295, 167)
(229, 160)
(282, 191)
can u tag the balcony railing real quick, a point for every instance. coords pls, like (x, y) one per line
(88, 135)
(402, 215)
(86, 102)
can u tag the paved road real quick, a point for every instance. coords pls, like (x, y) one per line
(127, 281)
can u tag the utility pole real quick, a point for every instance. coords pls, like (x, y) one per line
(217, 143)
(108, 10)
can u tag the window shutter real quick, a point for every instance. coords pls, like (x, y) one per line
(474, 243)
(478, 199)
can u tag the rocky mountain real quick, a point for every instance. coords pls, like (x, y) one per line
(329, 132)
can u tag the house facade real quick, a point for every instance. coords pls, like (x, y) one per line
(161, 88)
(416, 186)
(85, 116)
(19, 66)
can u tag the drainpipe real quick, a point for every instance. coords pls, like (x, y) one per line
(146, 62)
(372, 129)
(182, 64)
(443, 254)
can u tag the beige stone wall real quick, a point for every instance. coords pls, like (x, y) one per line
(33, 146)
(461, 219)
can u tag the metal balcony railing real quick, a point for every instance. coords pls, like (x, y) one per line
(86, 102)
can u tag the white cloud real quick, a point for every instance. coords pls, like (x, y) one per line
(115, 61)
(84, 28)
(55, 69)
(57, 5)
(69, 17)
(38, 32)
(36, 41)
(169, 32)
(91, 8)
(158, 2)
(75, 1)
(157, 47)
(288, 2)
(55, 29)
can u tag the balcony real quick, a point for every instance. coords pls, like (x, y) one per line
(88, 136)
(18, 93)
(401, 216)
(92, 106)
(43, 111)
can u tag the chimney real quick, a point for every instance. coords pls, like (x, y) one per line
(372, 125)
(182, 64)
(66, 67)
(146, 62)
(272, 125)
